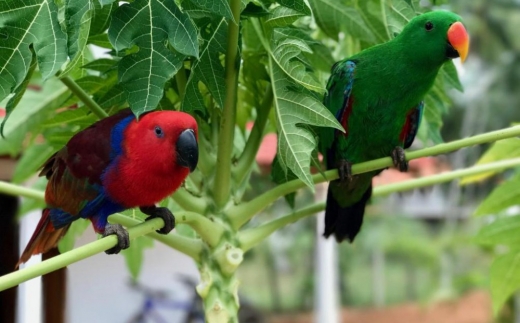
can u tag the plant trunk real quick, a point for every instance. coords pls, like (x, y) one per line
(218, 287)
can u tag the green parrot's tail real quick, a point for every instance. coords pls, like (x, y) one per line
(345, 222)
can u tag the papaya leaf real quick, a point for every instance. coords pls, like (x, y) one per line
(505, 278)
(78, 14)
(298, 5)
(502, 231)
(502, 149)
(208, 69)
(27, 25)
(504, 196)
(282, 16)
(220, 7)
(332, 16)
(295, 143)
(145, 69)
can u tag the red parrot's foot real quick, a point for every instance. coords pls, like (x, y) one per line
(123, 241)
(399, 159)
(345, 171)
(160, 212)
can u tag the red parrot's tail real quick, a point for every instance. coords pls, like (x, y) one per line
(44, 238)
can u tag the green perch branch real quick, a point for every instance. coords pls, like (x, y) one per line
(251, 237)
(242, 213)
(63, 260)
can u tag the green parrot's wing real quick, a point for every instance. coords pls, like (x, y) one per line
(339, 101)
(411, 126)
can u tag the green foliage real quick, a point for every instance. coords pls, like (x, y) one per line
(502, 232)
(143, 71)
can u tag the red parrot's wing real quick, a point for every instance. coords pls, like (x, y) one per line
(74, 172)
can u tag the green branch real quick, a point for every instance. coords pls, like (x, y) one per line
(222, 185)
(17, 190)
(188, 246)
(255, 137)
(189, 202)
(208, 230)
(63, 260)
(242, 213)
(445, 177)
(84, 97)
(251, 237)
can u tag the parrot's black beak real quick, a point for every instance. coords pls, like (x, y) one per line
(187, 150)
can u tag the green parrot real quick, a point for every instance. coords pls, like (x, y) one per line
(377, 96)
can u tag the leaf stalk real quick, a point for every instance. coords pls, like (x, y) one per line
(84, 97)
(222, 184)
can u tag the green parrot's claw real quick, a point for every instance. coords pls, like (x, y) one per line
(123, 240)
(160, 212)
(399, 159)
(345, 171)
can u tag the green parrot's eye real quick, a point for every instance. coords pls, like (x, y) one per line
(428, 26)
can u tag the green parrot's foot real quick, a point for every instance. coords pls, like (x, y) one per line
(345, 171)
(123, 240)
(160, 212)
(399, 159)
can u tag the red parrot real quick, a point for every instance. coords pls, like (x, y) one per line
(115, 164)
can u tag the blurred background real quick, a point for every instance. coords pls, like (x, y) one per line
(414, 260)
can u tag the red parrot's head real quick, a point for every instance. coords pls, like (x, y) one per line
(164, 141)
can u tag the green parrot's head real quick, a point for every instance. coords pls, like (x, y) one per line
(435, 37)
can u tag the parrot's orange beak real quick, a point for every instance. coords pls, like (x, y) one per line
(459, 39)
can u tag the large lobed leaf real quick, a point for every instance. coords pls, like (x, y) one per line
(333, 17)
(220, 7)
(505, 278)
(208, 69)
(502, 149)
(29, 30)
(293, 110)
(150, 26)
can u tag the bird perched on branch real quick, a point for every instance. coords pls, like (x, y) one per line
(115, 164)
(377, 96)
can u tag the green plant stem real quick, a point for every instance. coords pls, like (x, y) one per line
(180, 78)
(242, 213)
(63, 260)
(445, 177)
(17, 190)
(84, 97)
(189, 202)
(255, 137)
(209, 231)
(251, 237)
(222, 184)
(188, 246)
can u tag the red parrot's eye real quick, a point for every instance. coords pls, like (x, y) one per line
(159, 132)
(428, 26)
